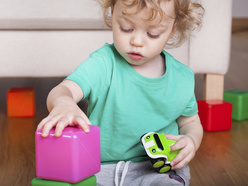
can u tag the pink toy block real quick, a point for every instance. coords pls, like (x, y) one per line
(20, 102)
(215, 115)
(70, 158)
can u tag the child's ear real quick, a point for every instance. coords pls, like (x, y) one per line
(112, 12)
(174, 29)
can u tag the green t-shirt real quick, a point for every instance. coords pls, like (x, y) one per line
(125, 104)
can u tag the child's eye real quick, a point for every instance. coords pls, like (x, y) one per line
(126, 29)
(154, 36)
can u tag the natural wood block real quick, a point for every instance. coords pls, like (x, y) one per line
(214, 86)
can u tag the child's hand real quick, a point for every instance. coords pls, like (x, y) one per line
(64, 114)
(187, 152)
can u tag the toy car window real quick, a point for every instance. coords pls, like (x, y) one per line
(156, 137)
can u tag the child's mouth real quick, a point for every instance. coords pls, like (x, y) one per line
(135, 56)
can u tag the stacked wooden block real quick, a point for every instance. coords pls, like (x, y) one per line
(71, 159)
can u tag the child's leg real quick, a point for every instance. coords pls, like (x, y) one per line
(184, 173)
(141, 174)
(106, 176)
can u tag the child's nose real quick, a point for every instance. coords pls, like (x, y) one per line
(137, 40)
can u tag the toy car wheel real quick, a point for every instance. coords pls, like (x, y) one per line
(159, 162)
(165, 168)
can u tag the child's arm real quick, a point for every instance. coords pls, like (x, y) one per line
(62, 105)
(188, 140)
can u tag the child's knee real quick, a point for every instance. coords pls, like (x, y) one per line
(168, 179)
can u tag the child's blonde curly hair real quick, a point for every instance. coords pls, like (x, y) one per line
(188, 15)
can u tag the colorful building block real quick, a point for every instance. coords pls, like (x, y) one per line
(20, 102)
(70, 158)
(239, 100)
(90, 181)
(215, 115)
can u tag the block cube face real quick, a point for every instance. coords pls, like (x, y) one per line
(70, 158)
(215, 115)
(90, 181)
(239, 100)
(21, 102)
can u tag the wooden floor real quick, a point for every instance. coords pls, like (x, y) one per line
(221, 160)
(17, 151)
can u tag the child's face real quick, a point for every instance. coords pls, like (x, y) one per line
(137, 39)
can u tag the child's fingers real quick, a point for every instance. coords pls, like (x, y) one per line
(61, 124)
(83, 123)
(181, 160)
(185, 155)
(42, 123)
(86, 119)
(180, 164)
(180, 144)
(48, 126)
(172, 137)
(179, 157)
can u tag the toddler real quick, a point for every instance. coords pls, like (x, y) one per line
(133, 87)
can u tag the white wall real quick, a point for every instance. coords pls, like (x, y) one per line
(240, 8)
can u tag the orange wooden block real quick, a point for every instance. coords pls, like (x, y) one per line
(20, 102)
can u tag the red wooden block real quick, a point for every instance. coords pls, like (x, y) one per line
(215, 115)
(20, 102)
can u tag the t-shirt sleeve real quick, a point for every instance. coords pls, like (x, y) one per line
(191, 108)
(90, 74)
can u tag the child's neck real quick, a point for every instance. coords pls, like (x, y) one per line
(153, 69)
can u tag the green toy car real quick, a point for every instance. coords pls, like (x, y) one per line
(158, 149)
